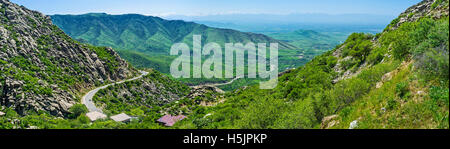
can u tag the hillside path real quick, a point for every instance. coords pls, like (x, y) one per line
(87, 99)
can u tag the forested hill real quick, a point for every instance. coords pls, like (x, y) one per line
(148, 34)
(150, 38)
(394, 79)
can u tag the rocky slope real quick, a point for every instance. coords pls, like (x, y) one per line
(435, 9)
(428, 8)
(43, 69)
(153, 90)
(401, 99)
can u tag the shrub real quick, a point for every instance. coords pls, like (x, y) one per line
(83, 119)
(344, 113)
(440, 95)
(391, 104)
(262, 113)
(376, 56)
(402, 89)
(431, 54)
(358, 45)
(300, 116)
(347, 91)
(436, 3)
(77, 110)
(10, 113)
(350, 63)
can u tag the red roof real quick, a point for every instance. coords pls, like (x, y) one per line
(170, 120)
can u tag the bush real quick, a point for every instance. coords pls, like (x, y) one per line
(300, 116)
(10, 113)
(440, 95)
(347, 91)
(391, 104)
(402, 89)
(436, 3)
(262, 113)
(83, 119)
(376, 56)
(431, 54)
(358, 45)
(77, 110)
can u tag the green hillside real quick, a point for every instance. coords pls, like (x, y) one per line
(145, 41)
(149, 35)
(310, 39)
(396, 79)
(311, 42)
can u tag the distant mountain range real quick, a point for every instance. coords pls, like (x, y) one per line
(264, 23)
(307, 18)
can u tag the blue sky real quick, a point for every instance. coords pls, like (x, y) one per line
(206, 7)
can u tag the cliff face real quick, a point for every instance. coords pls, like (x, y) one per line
(43, 69)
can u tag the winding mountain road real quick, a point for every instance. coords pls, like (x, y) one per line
(272, 67)
(221, 84)
(87, 99)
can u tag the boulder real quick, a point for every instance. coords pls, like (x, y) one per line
(329, 121)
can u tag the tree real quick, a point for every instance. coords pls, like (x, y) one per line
(83, 119)
(77, 110)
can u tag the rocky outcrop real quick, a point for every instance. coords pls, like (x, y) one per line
(431, 8)
(201, 91)
(43, 69)
(329, 121)
(427, 8)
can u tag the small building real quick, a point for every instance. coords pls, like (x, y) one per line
(169, 120)
(95, 115)
(121, 118)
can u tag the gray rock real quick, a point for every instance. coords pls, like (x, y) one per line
(33, 127)
(60, 51)
(353, 124)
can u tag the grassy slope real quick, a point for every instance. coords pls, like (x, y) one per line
(415, 97)
(311, 42)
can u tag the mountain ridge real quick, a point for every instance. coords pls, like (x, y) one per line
(171, 27)
(154, 36)
(43, 69)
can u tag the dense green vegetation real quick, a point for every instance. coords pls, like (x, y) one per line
(312, 43)
(146, 34)
(396, 79)
(146, 95)
(306, 95)
(141, 61)
(145, 41)
(415, 97)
